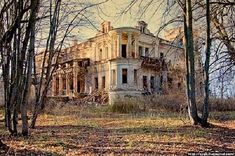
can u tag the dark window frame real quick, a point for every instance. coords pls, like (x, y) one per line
(103, 82)
(96, 83)
(124, 76)
(124, 51)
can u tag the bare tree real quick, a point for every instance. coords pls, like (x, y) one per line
(195, 13)
(205, 112)
(18, 19)
(59, 31)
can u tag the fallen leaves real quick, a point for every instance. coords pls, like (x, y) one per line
(90, 133)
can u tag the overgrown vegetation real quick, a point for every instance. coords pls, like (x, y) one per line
(152, 103)
(218, 104)
(170, 103)
(75, 130)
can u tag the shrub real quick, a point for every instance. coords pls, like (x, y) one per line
(174, 103)
(126, 106)
(218, 104)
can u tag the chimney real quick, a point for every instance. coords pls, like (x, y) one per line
(105, 27)
(142, 26)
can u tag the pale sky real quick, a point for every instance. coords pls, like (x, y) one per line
(111, 11)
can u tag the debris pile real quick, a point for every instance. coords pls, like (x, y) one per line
(151, 63)
(98, 97)
(3, 148)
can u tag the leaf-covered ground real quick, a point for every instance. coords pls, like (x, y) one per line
(71, 130)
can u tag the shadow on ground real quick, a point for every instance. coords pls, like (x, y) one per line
(79, 140)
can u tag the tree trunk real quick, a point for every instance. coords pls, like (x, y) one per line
(31, 52)
(189, 48)
(44, 84)
(205, 112)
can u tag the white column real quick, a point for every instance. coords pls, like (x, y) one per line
(96, 52)
(110, 76)
(119, 77)
(112, 48)
(109, 45)
(119, 44)
(67, 81)
(53, 90)
(75, 77)
(129, 52)
(60, 84)
(149, 82)
(130, 77)
(136, 47)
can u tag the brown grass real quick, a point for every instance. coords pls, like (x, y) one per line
(74, 130)
(172, 103)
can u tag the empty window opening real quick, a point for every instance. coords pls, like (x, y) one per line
(140, 51)
(103, 82)
(96, 83)
(124, 75)
(152, 79)
(146, 51)
(145, 83)
(161, 82)
(78, 86)
(124, 50)
(161, 55)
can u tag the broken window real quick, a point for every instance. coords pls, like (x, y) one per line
(124, 75)
(152, 78)
(113, 76)
(146, 51)
(145, 83)
(103, 82)
(78, 86)
(96, 83)
(124, 50)
(135, 76)
(161, 55)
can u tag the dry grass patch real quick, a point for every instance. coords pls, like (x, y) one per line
(72, 130)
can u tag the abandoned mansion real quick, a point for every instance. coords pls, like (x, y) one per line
(119, 61)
